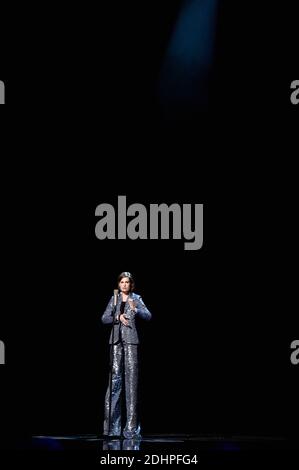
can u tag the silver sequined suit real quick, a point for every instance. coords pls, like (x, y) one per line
(125, 360)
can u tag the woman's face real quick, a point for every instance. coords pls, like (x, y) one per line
(125, 285)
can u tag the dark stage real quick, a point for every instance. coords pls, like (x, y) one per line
(164, 443)
(174, 449)
(180, 103)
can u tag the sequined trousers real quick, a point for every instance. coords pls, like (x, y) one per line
(125, 365)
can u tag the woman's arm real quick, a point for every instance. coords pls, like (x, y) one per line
(107, 315)
(141, 310)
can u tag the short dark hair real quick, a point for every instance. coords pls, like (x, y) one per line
(129, 276)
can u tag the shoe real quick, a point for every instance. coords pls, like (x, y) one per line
(132, 435)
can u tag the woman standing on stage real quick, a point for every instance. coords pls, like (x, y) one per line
(123, 357)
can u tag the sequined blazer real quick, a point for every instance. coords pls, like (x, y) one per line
(128, 334)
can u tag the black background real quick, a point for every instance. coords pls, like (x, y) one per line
(83, 124)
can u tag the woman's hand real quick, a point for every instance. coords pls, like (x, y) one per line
(132, 305)
(123, 320)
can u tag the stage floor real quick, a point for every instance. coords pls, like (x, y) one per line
(172, 449)
(162, 442)
(92, 442)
